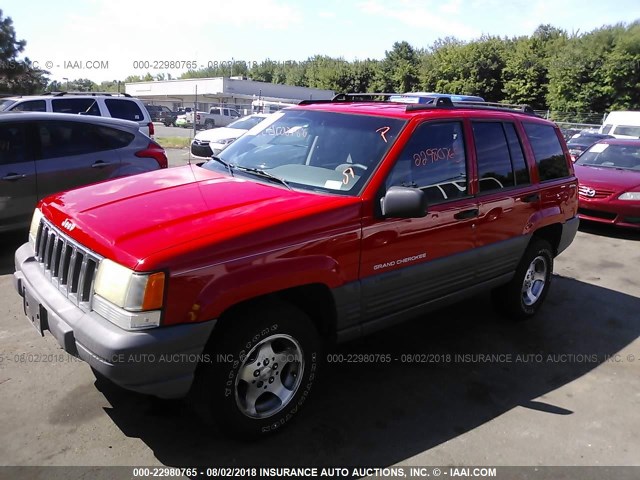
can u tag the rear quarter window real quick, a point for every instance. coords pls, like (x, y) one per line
(124, 109)
(547, 151)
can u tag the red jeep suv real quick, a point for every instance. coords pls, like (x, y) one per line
(327, 221)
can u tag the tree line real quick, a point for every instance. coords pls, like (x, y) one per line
(551, 69)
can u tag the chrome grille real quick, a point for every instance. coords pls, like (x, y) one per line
(70, 267)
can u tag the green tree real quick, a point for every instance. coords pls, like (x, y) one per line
(526, 71)
(17, 76)
(398, 72)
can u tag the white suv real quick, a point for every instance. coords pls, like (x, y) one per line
(115, 105)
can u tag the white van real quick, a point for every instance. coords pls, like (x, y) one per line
(623, 124)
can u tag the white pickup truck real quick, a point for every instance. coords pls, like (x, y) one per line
(217, 117)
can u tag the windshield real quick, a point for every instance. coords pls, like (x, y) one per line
(628, 130)
(6, 103)
(246, 123)
(313, 150)
(584, 140)
(626, 157)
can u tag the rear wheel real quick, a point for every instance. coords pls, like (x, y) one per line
(262, 367)
(209, 124)
(524, 294)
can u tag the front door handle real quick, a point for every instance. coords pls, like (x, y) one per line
(14, 176)
(100, 164)
(465, 214)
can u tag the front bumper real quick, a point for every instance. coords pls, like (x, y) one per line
(159, 361)
(621, 213)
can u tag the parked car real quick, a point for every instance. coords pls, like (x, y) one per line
(579, 142)
(160, 113)
(609, 175)
(212, 142)
(114, 105)
(622, 124)
(181, 121)
(216, 117)
(44, 153)
(327, 221)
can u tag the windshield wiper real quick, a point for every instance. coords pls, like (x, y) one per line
(219, 160)
(264, 174)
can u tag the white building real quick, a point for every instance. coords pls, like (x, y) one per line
(228, 91)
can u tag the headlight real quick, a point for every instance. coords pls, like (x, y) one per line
(35, 223)
(225, 141)
(630, 196)
(130, 291)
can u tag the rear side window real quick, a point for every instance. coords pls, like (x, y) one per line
(88, 106)
(547, 151)
(494, 162)
(31, 106)
(125, 109)
(606, 129)
(433, 160)
(12, 143)
(60, 139)
(517, 156)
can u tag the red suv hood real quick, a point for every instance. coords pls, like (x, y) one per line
(609, 178)
(131, 218)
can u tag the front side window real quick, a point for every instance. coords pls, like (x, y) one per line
(433, 160)
(313, 150)
(547, 151)
(30, 106)
(12, 143)
(627, 130)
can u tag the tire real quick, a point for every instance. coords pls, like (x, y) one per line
(261, 369)
(523, 296)
(209, 124)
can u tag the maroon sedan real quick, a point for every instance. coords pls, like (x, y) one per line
(609, 175)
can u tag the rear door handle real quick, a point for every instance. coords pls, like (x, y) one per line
(534, 197)
(14, 176)
(465, 214)
(100, 164)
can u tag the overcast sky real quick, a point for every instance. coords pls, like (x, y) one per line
(116, 36)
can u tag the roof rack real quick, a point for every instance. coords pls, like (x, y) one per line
(352, 97)
(91, 94)
(439, 102)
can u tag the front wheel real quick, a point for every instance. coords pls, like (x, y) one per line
(262, 367)
(524, 294)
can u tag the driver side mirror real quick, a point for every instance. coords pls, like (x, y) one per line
(404, 202)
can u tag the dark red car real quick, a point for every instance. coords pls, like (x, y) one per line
(609, 175)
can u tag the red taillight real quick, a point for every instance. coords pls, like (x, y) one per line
(198, 117)
(156, 152)
(152, 130)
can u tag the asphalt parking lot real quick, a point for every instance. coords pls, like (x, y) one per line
(562, 389)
